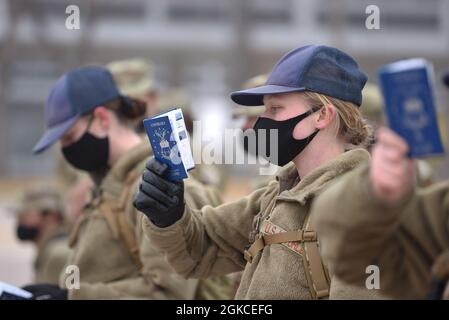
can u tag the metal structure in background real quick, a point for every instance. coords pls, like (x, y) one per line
(209, 47)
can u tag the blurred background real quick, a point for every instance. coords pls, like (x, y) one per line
(207, 48)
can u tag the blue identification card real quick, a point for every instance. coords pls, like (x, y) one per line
(165, 147)
(409, 105)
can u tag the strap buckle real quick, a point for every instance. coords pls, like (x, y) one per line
(309, 235)
(260, 241)
(248, 256)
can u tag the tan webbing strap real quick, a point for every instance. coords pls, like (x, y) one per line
(288, 236)
(129, 237)
(257, 246)
(73, 237)
(126, 231)
(308, 276)
(320, 281)
(129, 181)
(317, 272)
(121, 228)
(106, 211)
(277, 238)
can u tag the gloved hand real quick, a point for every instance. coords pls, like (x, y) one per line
(162, 201)
(46, 292)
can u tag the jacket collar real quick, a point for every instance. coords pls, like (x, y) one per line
(318, 179)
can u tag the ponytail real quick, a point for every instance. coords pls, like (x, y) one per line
(354, 129)
(132, 108)
(127, 109)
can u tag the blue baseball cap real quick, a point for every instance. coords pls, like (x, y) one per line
(74, 94)
(316, 68)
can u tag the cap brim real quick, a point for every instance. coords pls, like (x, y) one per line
(53, 134)
(254, 96)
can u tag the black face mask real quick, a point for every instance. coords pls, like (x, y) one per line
(89, 153)
(288, 147)
(26, 233)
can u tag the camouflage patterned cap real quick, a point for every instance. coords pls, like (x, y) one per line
(253, 82)
(133, 77)
(42, 198)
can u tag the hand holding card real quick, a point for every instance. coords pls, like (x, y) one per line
(409, 105)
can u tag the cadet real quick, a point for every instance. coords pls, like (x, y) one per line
(134, 78)
(88, 115)
(374, 216)
(41, 219)
(311, 98)
(250, 116)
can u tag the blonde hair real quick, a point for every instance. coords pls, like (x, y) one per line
(350, 124)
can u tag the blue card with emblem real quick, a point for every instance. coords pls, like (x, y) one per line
(407, 88)
(170, 143)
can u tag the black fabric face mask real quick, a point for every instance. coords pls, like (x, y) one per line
(89, 153)
(26, 233)
(288, 146)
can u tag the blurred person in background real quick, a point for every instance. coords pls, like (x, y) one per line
(249, 117)
(372, 105)
(210, 175)
(90, 118)
(267, 233)
(41, 219)
(135, 78)
(375, 215)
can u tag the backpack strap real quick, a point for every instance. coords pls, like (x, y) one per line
(115, 214)
(123, 229)
(316, 272)
(277, 238)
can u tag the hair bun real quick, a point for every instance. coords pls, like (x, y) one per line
(132, 108)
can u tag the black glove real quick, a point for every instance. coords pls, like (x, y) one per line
(46, 292)
(162, 201)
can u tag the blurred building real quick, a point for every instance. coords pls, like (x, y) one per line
(209, 47)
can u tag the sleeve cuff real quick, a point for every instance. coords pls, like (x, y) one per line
(150, 227)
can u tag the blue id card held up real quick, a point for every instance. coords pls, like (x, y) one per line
(170, 143)
(409, 105)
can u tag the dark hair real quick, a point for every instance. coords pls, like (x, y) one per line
(127, 109)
